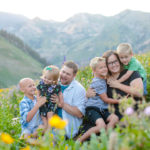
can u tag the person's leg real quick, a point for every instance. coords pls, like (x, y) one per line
(112, 120)
(99, 125)
(41, 129)
(49, 115)
(45, 124)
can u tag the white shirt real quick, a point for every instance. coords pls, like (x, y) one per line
(74, 95)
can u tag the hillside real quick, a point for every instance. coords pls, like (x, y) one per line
(16, 64)
(82, 36)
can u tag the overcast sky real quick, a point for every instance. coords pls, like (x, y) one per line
(60, 10)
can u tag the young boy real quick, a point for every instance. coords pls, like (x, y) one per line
(124, 50)
(97, 106)
(29, 108)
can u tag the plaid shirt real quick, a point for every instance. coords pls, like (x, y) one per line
(26, 105)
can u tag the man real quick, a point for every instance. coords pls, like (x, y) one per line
(72, 101)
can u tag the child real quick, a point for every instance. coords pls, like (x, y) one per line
(47, 87)
(29, 108)
(124, 50)
(97, 106)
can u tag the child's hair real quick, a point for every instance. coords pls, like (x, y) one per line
(94, 62)
(124, 48)
(72, 65)
(53, 72)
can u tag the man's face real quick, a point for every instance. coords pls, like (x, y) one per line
(66, 75)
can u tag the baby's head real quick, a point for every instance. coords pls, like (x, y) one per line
(125, 53)
(50, 74)
(99, 68)
(27, 86)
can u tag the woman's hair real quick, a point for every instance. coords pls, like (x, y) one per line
(53, 72)
(107, 54)
(95, 61)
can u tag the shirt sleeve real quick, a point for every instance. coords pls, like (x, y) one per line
(80, 99)
(99, 86)
(24, 109)
(133, 66)
(134, 76)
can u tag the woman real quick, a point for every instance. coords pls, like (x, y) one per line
(133, 86)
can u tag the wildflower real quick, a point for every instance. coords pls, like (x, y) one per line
(25, 148)
(57, 122)
(147, 111)
(1, 90)
(129, 111)
(6, 138)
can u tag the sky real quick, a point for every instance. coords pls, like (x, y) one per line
(60, 10)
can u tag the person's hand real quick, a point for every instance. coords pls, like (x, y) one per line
(114, 83)
(110, 79)
(58, 99)
(90, 93)
(41, 100)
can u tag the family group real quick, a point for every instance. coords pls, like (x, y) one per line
(58, 92)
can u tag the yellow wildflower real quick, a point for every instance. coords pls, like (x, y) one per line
(56, 122)
(1, 90)
(25, 148)
(6, 138)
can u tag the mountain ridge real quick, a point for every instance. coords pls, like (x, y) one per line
(84, 35)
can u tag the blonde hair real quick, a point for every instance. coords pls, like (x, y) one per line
(53, 72)
(94, 62)
(124, 48)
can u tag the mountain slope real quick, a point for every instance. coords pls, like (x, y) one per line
(15, 64)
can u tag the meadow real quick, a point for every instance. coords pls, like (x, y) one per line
(132, 133)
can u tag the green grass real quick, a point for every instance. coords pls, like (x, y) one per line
(15, 64)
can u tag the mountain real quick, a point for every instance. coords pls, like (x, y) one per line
(16, 64)
(83, 36)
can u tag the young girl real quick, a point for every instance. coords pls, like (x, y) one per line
(47, 87)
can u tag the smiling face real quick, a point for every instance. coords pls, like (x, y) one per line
(125, 58)
(28, 87)
(101, 70)
(66, 75)
(47, 77)
(113, 64)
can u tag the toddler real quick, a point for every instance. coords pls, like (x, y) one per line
(124, 51)
(47, 87)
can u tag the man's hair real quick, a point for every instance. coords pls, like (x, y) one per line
(72, 65)
(53, 72)
(124, 48)
(94, 62)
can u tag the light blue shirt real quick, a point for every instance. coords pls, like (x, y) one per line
(74, 95)
(99, 85)
(26, 105)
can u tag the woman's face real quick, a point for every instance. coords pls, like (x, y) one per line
(113, 64)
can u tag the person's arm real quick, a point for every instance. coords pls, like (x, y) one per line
(125, 76)
(73, 110)
(108, 100)
(40, 102)
(135, 88)
(90, 93)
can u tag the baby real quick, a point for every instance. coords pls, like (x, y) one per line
(47, 87)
